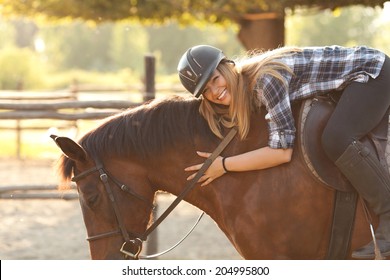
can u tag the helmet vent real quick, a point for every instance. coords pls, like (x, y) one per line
(197, 63)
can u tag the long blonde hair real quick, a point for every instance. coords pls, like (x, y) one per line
(241, 79)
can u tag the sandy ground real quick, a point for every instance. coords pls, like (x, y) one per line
(53, 229)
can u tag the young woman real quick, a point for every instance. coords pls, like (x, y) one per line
(273, 79)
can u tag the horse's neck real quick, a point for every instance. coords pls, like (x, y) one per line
(215, 198)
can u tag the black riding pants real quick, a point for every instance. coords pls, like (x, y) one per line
(360, 109)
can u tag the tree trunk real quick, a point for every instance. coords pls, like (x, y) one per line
(262, 31)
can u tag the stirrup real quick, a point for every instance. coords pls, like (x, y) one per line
(377, 251)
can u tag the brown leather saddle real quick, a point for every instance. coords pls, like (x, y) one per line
(314, 115)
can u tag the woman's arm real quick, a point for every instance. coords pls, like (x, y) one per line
(262, 158)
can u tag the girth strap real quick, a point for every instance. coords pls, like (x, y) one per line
(342, 225)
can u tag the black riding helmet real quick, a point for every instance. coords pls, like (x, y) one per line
(196, 67)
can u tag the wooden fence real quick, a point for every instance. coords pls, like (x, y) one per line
(39, 191)
(26, 110)
(65, 106)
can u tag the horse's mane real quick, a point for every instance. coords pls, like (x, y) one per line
(144, 131)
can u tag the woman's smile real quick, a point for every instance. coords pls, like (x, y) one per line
(222, 95)
(216, 89)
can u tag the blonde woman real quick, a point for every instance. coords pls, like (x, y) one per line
(231, 90)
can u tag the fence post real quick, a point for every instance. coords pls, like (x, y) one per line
(150, 93)
(19, 87)
(150, 89)
(74, 91)
(18, 140)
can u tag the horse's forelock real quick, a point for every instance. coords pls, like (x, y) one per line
(65, 171)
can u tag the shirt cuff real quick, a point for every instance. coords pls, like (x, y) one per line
(281, 139)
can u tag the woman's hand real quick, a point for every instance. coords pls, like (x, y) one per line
(213, 172)
(258, 159)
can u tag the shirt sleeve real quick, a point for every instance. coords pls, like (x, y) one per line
(274, 95)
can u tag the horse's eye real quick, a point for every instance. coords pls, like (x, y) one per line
(92, 200)
(89, 195)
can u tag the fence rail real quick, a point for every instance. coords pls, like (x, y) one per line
(21, 107)
(23, 111)
(118, 104)
(36, 192)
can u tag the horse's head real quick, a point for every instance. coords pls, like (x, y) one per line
(123, 156)
(116, 202)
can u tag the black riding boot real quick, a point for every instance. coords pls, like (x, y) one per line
(372, 181)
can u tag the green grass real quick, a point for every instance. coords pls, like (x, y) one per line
(37, 144)
(64, 79)
(33, 145)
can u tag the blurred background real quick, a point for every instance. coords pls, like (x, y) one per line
(46, 46)
(64, 53)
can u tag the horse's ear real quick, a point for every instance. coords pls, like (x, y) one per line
(70, 148)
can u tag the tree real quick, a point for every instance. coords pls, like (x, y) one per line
(104, 47)
(20, 68)
(351, 26)
(122, 40)
(8, 35)
(167, 41)
(261, 22)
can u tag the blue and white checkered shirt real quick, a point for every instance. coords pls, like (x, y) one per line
(315, 71)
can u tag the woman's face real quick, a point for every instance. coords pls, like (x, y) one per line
(216, 89)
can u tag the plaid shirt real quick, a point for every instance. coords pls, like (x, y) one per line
(315, 71)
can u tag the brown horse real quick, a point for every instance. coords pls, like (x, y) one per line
(277, 213)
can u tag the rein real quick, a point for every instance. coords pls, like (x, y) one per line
(192, 183)
(132, 247)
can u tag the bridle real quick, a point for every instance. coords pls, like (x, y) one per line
(131, 248)
(134, 245)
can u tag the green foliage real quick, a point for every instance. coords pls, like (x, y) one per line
(184, 11)
(349, 26)
(170, 41)
(62, 79)
(128, 45)
(111, 47)
(85, 51)
(382, 38)
(113, 53)
(34, 145)
(7, 37)
(20, 68)
(83, 46)
(104, 47)
(26, 30)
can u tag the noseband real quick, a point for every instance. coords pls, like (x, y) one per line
(131, 248)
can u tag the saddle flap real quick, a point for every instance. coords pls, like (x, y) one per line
(320, 111)
(314, 116)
